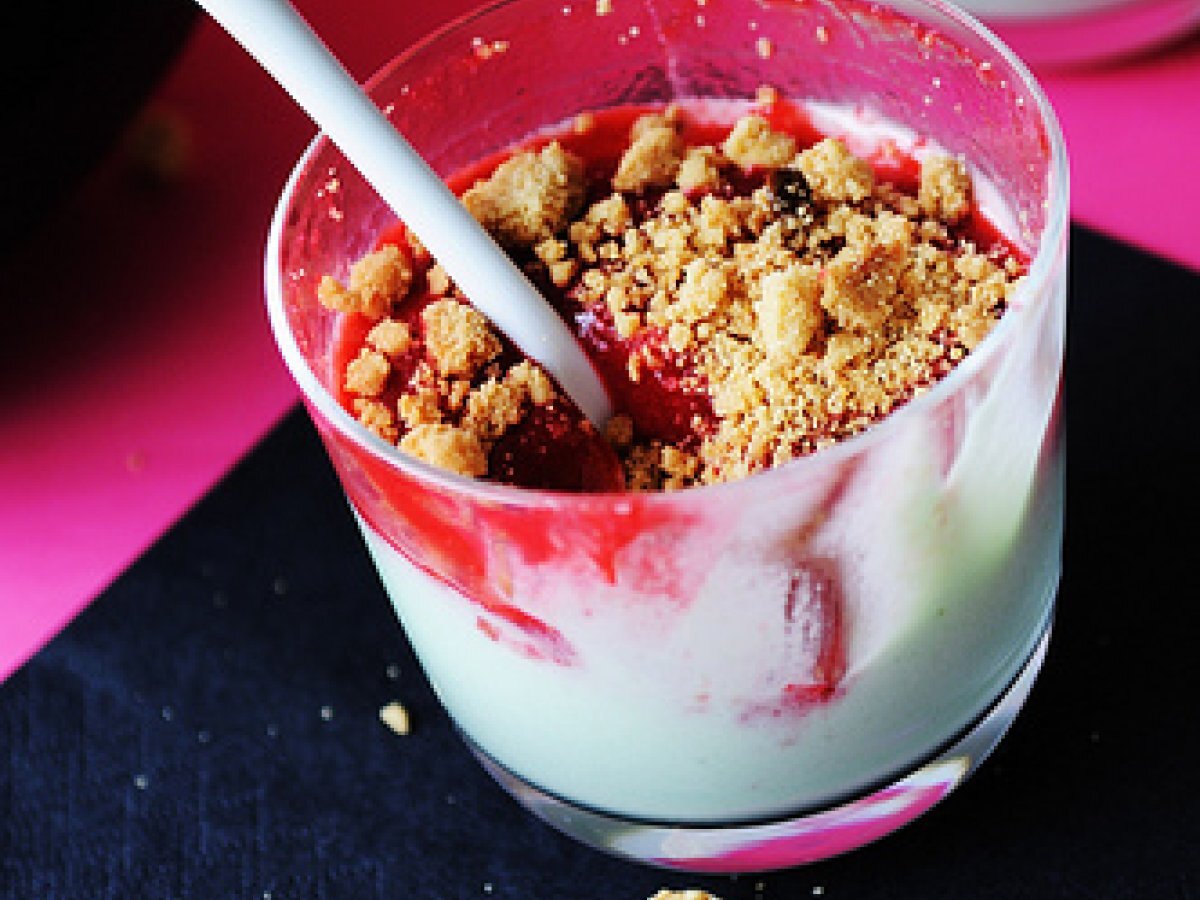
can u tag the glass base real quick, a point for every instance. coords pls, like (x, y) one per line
(779, 844)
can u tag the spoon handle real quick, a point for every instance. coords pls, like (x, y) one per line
(274, 33)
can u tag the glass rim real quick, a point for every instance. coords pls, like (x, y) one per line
(1045, 258)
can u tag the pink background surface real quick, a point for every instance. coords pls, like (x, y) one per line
(117, 419)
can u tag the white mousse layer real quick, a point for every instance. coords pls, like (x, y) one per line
(670, 711)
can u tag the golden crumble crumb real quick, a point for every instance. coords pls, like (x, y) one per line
(438, 281)
(530, 196)
(367, 373)
(535, 382)
(764, 47)
(498, 404)
(699, 170)
(789, 313)
(376, 418)
(610, 214)
(333, 295)
(679, 468)
(603, 7)
(447, 447)
(675, 203)
(458, 338)
(380, 279)
(654, 156)
(834, 174)
(702, 290)
(551, 250)
(861, 285)
(377, 281)
(421, 407)
(390, 337)
(945, 190)
(455, 393)
(395, 716)
(752, 142)
(561, 273)
(688, 894)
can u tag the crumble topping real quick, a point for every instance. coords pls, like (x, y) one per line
(390, 337)
(945, 192)
(377, 281)
(367, 373)
(529, 197)
(753, 143)
(689, 894)
(834, 174)
(459, 338)
(448, 447)
(653, 157)
(799, 296)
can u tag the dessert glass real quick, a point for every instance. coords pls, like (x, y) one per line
(753, 675)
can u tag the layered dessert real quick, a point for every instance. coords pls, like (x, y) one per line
(788, 568)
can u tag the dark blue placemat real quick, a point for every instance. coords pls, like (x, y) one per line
(209, 727)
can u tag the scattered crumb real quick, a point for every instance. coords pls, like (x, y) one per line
(395, 716)
(603, 7)
(688, 894)
(764, 47)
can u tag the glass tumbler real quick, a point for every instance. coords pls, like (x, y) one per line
(758, 674)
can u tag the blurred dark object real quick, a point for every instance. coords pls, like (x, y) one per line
(72, 76)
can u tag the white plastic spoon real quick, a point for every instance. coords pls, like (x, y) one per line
(274, 33)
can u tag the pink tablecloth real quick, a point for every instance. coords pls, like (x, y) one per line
(114, 423)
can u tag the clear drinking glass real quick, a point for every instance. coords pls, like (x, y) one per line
(758, 674)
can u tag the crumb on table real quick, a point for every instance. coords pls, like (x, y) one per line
(395, 716)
